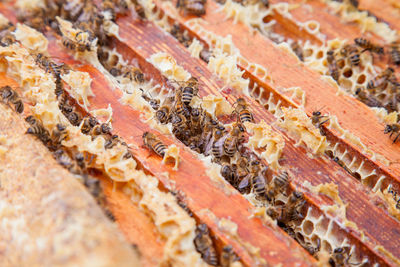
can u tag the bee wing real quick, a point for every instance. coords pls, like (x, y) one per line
(209, 142)
(244, 182)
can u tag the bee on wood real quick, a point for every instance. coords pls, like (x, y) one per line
(352, 53)
(179, 107)
(204, 245)
(219, 143)
(229, 173)
(151, 141)
(74, 118)
(154, 103)
(332, 65)
(195, 121)
(291, 211)
(8, 95)
(254, 179)
(317, 119)
(277, 185)
(99, 129)
(380, 81)
(241, 109)
(163, 114)
(392, 128)
(298, 50)
(367, 98)
(228, 256)
(133, 74)
(311, 249)
(179, 34)
(341, 257)
(232, 140)
(58, 135)
(37, 129)
(367, 45)
(189, 90)
(395, 52)
(88, 123)
(112, 141)
(192, 7)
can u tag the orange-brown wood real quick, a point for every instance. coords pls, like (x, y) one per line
(197, 188)
(130, 31)
(286, 71)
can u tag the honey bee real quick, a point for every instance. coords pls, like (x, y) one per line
(88, 123)
(73, 117)
(255, 179)
(154, 103)
(229, 173)
(392, 128)
(228, 256)
(179, 107)
(291, 211)
(59, 134)
(352, 53)
(311, 249)
(133, 74)
(341, 257)
(113, 141)
(367, 45)
(8, 95)
(192, 7)
(204, 245)
(332, 65)
(195, 121)
(151, 141)
(178, 33)
(75, 44)
(37, 129)
(381, 80)
(189, 90)
(163, 114)
(367, 98)
(342, 164)
(242, 111)
(298, 50)
(317, 119)
(180, 130)
(65, 160)
(277, 185)
(218, 145)
(205, 55)
(395, 52)
(98, 129)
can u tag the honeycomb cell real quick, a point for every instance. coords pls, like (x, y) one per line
(308, 227)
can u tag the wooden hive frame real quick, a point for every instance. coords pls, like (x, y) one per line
(140, 40)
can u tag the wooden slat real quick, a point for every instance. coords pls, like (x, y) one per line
(285, 72)
(197, 188)
(132, 33)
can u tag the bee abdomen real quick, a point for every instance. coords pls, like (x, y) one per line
(160, 148)
(187, 95)
(245, 116)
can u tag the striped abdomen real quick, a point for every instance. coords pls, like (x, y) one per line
(259, 185)
(187, 95)
(230, 146)
(245, 116)
(159, 148)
